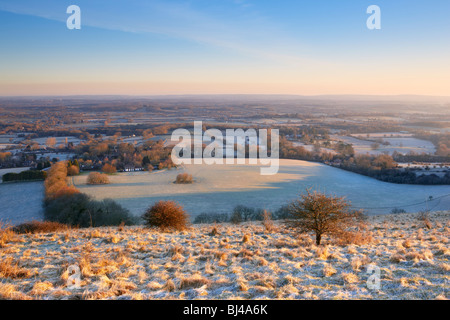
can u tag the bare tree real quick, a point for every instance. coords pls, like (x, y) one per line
(97, 178)
(51, 142)
(322, 214)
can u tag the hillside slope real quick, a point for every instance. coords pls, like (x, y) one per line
(240, 262)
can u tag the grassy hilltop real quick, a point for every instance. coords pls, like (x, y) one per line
(226, 261)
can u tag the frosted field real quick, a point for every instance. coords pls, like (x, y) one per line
(376, 135)
(219, 188)
(403, 145)
(240, 262)
(21, 201)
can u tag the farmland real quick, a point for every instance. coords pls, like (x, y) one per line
(402, 144)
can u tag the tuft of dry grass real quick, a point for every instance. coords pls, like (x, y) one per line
(169, 286)
(9, 292)
(6, 235)
(214, 232)
(407, 244)
(246, 238)
(41, 288)
(11, 269)
(349, 278)
(322, 253)
(358, 235)
(267, 222)
(328, 270)
(33, 227)
(196, 281)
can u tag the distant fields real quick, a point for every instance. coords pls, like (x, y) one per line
(402, 144)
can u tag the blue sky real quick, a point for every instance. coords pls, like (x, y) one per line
(224, 46)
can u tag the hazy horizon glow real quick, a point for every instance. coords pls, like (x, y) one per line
(224, 47)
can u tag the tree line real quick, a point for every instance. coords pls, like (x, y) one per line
(65, 204)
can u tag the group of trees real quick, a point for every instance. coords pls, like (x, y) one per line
(109, 168)
(28, 175)
(73, 168)
(240, 214)
(110, 155)
(440, 140)
(382, 167)
(55, 184)
(65, 204)
(289, 151)
(97, 178)
(82, 211)
(4, 156)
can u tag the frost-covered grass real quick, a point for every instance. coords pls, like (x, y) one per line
(238, 262)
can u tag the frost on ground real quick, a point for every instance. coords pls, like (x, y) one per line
(237, 262)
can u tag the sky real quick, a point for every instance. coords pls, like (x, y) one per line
(147, 47)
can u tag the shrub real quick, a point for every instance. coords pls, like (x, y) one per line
(184, 178)
(322, 214)
(97, 178)
(398, 210)
(39, 227)
(424, 216)
(73, 170)
(358, 235)
(24, 176)
(79, 210)
(166, 215)
(166, 164)
(267, 221)
(236, 217)
(109, 168)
